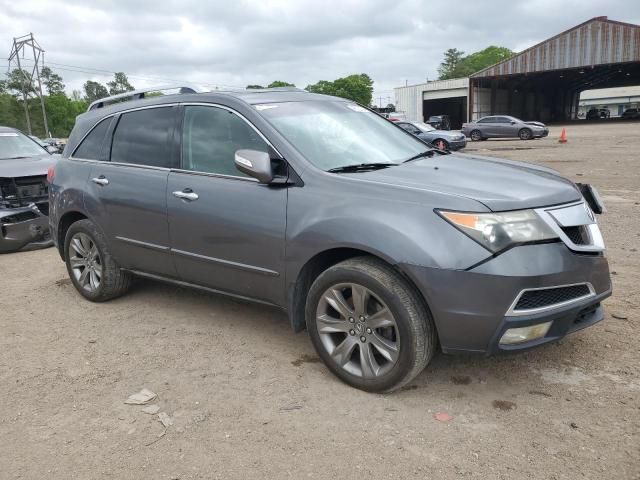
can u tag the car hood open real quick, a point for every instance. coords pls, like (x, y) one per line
(27, 167)
(498, 184)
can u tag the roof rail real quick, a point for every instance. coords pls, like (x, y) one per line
(138, 94)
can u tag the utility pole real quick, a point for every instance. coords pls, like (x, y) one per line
(20, 46)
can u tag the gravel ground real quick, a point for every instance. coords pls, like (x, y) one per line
(248, 398)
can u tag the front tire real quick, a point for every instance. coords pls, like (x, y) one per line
(369, 326)
(441, 144)
(92, 269)
(525, 134)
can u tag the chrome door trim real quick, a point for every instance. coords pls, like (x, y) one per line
(138, 243)
(216, 175)
(227, 263)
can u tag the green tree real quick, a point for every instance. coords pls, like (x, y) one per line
(61, 113)
(254, 87)
(357, 87)
(452, 59)
(280, 83)
(455, 65)
(119, 84)
(19, 80)
(94, 90)
(52, 82)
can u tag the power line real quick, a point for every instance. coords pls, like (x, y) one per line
(103, 72)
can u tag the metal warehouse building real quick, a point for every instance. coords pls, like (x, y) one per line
(542, 82)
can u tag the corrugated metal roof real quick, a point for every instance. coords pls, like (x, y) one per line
(595, 42)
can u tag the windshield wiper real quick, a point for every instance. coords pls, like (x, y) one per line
(361, 167)
(426, 153)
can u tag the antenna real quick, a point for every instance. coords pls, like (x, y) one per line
(29, 81)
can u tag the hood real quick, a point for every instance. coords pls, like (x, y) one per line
(27, 167)
(498, 184)
(537, 124)
(446, 134)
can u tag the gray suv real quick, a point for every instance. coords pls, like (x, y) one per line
(380, 246)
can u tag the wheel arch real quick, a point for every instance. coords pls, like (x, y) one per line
(68, 219)
(321, 261)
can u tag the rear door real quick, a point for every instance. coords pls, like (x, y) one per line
(126, 195)
(227, 230)
(503, 127)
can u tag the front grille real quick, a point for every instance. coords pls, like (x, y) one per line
(547, 297)
(19, 217)
(578, 235)
(44, 208)
(21, 191)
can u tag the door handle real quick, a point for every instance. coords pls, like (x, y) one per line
(186, 194)
(101, 180)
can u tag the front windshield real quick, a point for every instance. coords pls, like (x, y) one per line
(17, 145)
(337, 134)
(425, 127)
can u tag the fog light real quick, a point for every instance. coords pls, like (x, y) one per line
(525, 334)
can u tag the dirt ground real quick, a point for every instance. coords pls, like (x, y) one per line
(248, 398)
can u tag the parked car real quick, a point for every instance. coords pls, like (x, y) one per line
(631, 113)
(318, 206)
(504, 126)
(445, 140)
(56, 144)
(440, 122)
(24, 201)
(595, 113)
(396, 116)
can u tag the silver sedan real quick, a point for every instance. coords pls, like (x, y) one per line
(443, 139)
(504, 126)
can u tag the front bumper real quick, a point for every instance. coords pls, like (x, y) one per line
(470, 307)
(23, 228)
(457, 144)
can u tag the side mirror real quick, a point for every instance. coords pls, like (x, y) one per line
(513, 122)
(256, 164)
(51, 149)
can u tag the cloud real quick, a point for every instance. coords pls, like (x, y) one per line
(232, 44)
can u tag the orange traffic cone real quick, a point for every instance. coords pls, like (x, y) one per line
(563, 137)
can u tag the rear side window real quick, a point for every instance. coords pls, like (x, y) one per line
(211, 136)
(91, 146)
(486, 120)
(143, 137)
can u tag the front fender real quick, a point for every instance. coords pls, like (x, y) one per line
(398, 231)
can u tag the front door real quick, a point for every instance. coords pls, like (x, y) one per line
(227, 231)
(126, 196)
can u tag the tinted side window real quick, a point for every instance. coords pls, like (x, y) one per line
(91, 146)
(210, 138)
(502, 120)
(143, 137)
(486, 120)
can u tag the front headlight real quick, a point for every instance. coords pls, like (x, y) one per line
(497, 231)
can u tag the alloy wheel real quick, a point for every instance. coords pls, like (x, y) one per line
(85, 262)
(358, 330)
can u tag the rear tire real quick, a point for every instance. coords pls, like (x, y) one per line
(525, 134)
(91, 268)
(377, 344)
(476, 135)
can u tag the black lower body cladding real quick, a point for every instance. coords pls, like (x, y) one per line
(473, 308)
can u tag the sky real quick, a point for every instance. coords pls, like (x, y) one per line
(233, 43)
